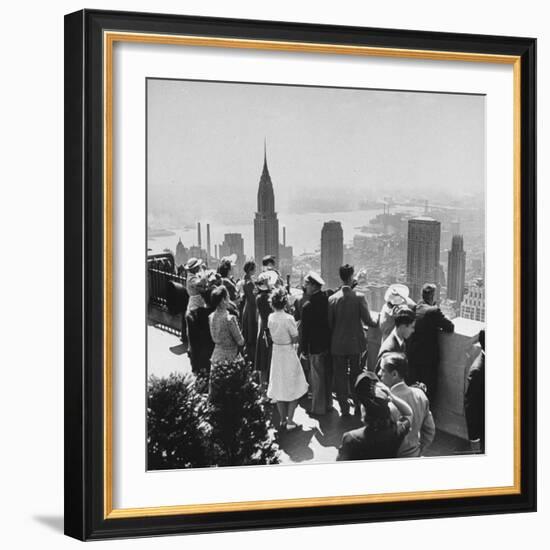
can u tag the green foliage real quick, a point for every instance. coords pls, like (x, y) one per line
(202, 381)
(189, 428)
(177, 430)
(241, 432)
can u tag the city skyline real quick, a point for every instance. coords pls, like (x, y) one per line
(457, 296)
(247, 203)
(423, 244)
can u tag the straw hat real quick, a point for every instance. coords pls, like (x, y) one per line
(192, 263)
(397, 294)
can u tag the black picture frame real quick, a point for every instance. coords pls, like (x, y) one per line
(85, 517)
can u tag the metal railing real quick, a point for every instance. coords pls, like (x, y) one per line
(162, 282)
(159, 293)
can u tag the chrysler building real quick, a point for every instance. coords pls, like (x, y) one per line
(266, 224)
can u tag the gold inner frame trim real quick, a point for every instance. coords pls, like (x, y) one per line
(109, 39)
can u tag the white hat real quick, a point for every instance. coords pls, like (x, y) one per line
(192, 263)
(264, 280)
(397, 294)
(314, 278)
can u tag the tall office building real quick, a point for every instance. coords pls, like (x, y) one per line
(423, 240)
(456, 269)
(266, 224)
(181, 254)
(332, 253)
(473, 304)
(233, 243)
(197, 252)
(285, 261)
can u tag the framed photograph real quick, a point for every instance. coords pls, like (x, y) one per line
(290, 249)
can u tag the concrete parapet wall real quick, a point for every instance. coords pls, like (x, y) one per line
(458, 352)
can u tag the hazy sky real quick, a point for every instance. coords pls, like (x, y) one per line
(206, 140)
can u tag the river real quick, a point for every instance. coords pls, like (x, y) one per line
(303, 231)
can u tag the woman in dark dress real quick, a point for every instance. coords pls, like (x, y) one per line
(249, 311)
(262, 359)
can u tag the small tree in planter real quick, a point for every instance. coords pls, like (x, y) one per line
(177, 431)
(241, 432)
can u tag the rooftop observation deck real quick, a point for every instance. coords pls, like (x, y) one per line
(319, 438)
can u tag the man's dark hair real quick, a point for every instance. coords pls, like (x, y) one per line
(395, 361)
(346, 272)
(268, 260)
(403, 316)
(224, 268)
(481, 338)
(249, 266)
(428, 291)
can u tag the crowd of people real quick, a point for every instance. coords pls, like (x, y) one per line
(316, 344)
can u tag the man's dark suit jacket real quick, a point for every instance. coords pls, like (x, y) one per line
(347, 313)
(314, 328)
(474, 399)
(423, 345)
(391, 343)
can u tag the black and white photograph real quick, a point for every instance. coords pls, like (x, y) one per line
(316, 274)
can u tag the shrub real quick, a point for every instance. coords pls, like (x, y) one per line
(241, 432)
(202, 381)
(177, 433)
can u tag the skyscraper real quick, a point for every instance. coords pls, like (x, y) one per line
(473, 304)
(456, 270)
(233, 243)
(332, 253)
(423, 254)
(181, 254)
(286, 252)
(266, 224)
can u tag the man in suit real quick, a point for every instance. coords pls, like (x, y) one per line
(347, 313)
(315, 343)
(423, 348)
(393, 371)
(404, 319)
(474, 400)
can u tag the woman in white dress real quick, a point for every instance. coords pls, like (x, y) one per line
(287, 382)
